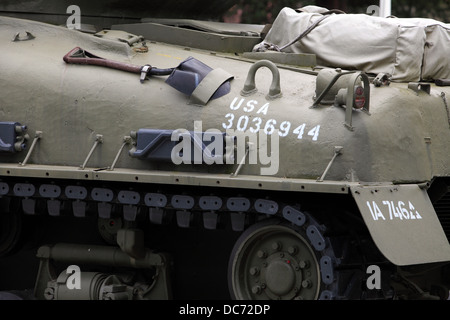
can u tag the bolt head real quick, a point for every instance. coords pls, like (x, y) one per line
(292, 250)
(254, 271)
(256, 289)
(306, 283)
(276, 246)
(304, 264)
(261, 254)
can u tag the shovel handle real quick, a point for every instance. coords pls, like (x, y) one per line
(81, 56)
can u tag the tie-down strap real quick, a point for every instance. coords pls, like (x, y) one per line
(209, 85)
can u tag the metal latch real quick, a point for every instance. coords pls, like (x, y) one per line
(382, 79)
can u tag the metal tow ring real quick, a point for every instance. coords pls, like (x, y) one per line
(250, 87)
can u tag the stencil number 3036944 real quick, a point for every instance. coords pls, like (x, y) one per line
(244, 123)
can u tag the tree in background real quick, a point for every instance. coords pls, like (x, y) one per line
(436, 9)
(262, 12)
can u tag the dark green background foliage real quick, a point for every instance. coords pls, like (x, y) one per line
(261, 12)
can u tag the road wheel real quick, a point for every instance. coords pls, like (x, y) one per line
(274, 260)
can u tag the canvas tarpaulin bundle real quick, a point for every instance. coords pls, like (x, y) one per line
(411, 49)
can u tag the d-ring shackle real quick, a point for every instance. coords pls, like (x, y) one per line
(250, 87)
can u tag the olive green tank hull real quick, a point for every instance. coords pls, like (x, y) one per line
(404, 139)
(312, 185)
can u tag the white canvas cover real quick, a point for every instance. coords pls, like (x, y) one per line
(409, 49)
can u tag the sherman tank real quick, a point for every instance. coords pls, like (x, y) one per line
(167, 158)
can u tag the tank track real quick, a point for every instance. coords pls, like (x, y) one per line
(60, 197)
(195, 207)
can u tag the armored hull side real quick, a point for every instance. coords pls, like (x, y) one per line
(72, 104)
(313, 186)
